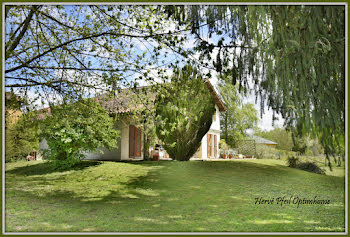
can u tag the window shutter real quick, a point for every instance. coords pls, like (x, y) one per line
(215, 146)
(215, 115)
(131, 141)
(208, 145)
(138, 141)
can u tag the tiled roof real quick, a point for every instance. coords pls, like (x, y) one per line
(261, 140)
(127, 99)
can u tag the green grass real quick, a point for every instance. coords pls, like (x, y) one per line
(169, 196)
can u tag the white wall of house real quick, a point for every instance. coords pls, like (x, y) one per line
(124, 136)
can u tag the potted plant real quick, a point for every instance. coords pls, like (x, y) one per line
(223, 155)
(156, 157)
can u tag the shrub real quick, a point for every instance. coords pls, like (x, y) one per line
(21, 138)
(265, 152)
(311, 167)
(292, 161)
(75, 128)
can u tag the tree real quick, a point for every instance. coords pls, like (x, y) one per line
(238, 117)
(71, 129)
(21, 138)
(294, 55)
(281, 136)
(184, 111)
(75, 51)
(21, 130)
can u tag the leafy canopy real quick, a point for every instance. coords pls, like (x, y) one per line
(184, 110)
(75, 128)
(293, 54)
(21, 138)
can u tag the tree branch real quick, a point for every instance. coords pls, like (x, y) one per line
(73, 68)
(72, 41)
(23, 31)
(55, 20)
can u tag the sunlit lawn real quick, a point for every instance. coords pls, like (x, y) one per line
(170, 196)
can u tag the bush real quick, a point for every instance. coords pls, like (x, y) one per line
(265, 152)
(75, 128)
(21, 138)
(292, 161)
(311, 167)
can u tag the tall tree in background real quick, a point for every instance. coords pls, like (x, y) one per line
(281, 136)
(184, 110)
(238, 117)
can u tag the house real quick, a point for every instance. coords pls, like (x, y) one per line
(263, 141)
(131, 141)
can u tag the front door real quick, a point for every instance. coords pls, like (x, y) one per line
(134, 141)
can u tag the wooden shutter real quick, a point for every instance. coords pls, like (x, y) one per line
(215, 115)
(215, 146)
(131, 141)
(138, 141)
(208, 145)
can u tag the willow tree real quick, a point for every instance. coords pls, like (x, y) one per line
(184, 110)
(294, 56)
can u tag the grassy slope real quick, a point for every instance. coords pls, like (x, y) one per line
(169, 196)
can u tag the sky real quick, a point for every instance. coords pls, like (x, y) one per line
(265, 122)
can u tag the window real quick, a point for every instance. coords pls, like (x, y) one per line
(214, 115)
(212, 149)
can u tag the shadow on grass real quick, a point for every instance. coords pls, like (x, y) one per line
(47, 168)
(136, 198)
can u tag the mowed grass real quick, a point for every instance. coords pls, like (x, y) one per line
(170, 196)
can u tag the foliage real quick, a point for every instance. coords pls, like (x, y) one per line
(21, 138)
(294, 55)
(184, 110)
(238, 117)
(311, 167)
(223, 145)
(279, 135)
(289, 142)
(292, 161)
(265, 152)
(78, 50)
(75, 128)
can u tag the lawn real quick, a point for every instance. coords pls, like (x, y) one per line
(170, 196)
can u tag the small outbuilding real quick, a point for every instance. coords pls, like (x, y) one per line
(263, 141)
